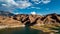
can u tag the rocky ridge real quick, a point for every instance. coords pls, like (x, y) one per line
(29, 20)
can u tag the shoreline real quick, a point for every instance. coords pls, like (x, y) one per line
(14, 26)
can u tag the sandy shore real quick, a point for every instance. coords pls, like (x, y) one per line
(7, 26)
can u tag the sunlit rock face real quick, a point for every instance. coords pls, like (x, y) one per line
(37, 19)
(29, 20)
(51, 18)
(34, 17)
(20, 17)
(9, 21)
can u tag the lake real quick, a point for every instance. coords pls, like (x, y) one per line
(21, 30)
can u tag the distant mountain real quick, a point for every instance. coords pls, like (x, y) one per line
(6, 13)
(34, 19)
(29, 20)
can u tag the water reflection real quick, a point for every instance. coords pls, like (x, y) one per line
(21, 30)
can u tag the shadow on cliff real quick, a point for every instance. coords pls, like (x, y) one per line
(29, 23)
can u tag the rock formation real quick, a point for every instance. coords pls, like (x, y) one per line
(29, 20)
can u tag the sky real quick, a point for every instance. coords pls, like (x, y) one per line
(41, 7)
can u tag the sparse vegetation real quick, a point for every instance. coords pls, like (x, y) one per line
(48, 28)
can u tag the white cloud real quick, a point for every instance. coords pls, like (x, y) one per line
(41, 1)
(46, 1)
(20, 4)
(33, 12)
(36, 1)
(23, 4)
(36, 7)
(11, 4)
(4, 4)
(16, 13)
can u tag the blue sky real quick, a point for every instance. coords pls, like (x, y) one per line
(40, 7)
